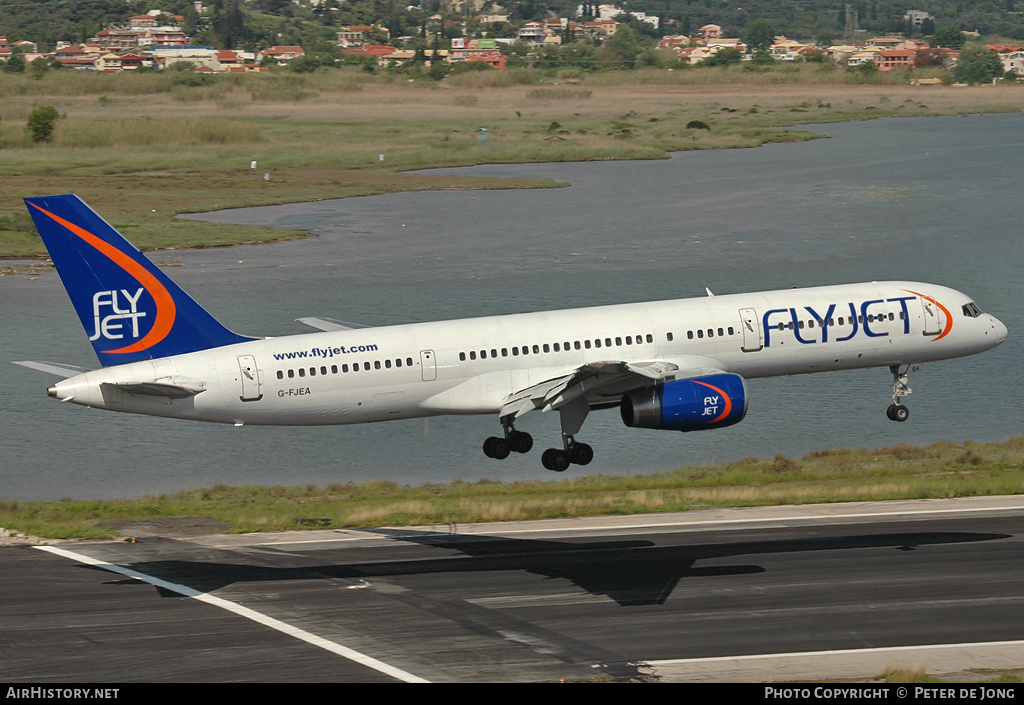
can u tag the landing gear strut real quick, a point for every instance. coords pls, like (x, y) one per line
(896, 410)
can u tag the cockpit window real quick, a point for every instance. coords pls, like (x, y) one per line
(972, 310)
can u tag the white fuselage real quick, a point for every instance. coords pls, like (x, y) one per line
(472, 366)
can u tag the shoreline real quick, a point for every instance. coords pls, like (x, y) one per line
(334, 152)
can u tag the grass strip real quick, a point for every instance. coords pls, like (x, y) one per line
(941, 470)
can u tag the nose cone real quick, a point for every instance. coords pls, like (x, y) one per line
(997, 329)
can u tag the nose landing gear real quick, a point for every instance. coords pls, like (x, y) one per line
(896, 410)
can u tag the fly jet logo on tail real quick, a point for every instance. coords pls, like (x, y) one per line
(111, 326)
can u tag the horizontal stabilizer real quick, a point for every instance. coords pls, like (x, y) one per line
(158, 389)
(53, 368)
(329, 324)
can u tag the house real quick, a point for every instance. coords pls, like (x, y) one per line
(711, 31)
(280, 54)
(889, 59)
(673, 42)
(494, 59)
(5, 49)
(532, 33)
(108, 63)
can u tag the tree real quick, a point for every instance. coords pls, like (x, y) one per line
(949, 37)
(978, 65)
(41, 122)
(760, 36)
(620, 50)
(15, 64)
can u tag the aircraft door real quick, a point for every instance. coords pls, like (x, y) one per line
(250, 376)
(932, 317)
(751, 327)
(428, 365)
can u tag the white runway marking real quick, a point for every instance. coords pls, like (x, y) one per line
(241, 611)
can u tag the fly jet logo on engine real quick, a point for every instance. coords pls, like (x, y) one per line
(113, 325)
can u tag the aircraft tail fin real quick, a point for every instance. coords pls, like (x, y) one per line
(130, 309)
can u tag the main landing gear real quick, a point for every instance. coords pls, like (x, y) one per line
(500, 448)
(572, 452)
(896, 410)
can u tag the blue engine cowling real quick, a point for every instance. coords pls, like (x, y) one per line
(694, 404)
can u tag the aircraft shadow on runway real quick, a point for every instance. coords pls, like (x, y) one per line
(630, 572)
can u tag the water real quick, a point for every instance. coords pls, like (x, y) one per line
(932, 199)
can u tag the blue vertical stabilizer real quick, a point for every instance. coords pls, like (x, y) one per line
(130, 309)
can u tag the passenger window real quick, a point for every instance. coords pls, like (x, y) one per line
(302, 372)
(597, 343)
(586, 344)
(334, 369)
(408, 361)
(556, 348)
(472, 354)
(700, 334)
(462, 356)
(344, 368)
(536, 349)
(669, 336)
(280, 374)
(376, 364)
(387, 364)
(618, 341)
(629, 339)
(650, 338)
(398, 362)
(312, 372)
(689, 335)
(546, 348)
(504, 352)
(576, 344)
(366, 366)
(323, 370)
(291, 374)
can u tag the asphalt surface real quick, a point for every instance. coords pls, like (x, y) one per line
(774, 594)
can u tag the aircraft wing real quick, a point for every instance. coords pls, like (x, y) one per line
(604, 383)
(329, 324)
(53, 368)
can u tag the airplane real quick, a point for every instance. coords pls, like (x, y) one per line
(678, 365)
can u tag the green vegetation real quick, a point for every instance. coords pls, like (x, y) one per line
(178, 142)
(900, 472)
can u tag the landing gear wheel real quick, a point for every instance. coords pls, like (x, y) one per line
(520, 441)
(897, 412)
(556, 460)
(497, 448)
(581, 454)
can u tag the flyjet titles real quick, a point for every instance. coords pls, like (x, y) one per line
(850, 320)
(110, 324)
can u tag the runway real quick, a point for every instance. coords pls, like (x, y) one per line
(769, 594)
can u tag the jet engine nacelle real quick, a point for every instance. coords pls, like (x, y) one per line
(694, 404)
